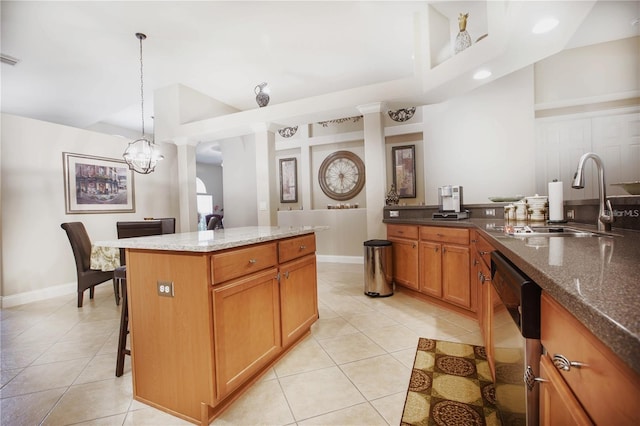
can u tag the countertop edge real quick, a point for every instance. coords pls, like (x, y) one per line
(210, 241)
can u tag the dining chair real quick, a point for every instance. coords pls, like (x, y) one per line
(130, 230)
(81, 245)
(168, 224)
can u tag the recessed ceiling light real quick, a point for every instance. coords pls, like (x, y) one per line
(481, 74)
(544, 25)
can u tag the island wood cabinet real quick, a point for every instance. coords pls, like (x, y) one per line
(230, 315)
(434, 261)
(298, 287)
(587, 382)
(246, 328)
(404, 239)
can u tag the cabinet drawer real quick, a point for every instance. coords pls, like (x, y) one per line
(402, 231)
(483, 248)
(606, 387)
(239, 262)
(294, 248)
(445, 235)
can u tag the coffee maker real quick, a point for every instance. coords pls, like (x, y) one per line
(450, 203)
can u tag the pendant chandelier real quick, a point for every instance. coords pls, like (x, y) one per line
(142, 155)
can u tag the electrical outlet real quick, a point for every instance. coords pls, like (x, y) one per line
(490, 212)
(394, 213)
(571, 214)
(165, 288)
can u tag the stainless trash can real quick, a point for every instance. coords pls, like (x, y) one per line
(378, 268)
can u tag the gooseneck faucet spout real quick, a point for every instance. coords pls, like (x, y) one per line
(606, 212)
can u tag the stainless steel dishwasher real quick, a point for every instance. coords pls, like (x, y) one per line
(516, 341)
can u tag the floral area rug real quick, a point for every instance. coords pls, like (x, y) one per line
(450, 385)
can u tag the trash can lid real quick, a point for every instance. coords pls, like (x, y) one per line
(377, 243)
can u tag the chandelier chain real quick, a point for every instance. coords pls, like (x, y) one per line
(141, 86)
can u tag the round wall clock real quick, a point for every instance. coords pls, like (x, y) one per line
(341, 175)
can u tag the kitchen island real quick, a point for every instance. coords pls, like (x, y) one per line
(210, 311)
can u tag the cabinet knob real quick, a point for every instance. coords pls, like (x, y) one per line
(252, 261)
(483, 279)
(286, 275)
(562, 363)
(530, 378)
(303, 247)
(413, 245)
(435, 249)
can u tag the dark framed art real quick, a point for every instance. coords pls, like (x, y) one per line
(404, 170)
(288, 180)
(97, 185)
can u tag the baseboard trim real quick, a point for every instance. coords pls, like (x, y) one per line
(325, 258)
(37, 295)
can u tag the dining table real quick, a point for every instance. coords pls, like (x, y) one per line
(104, 258)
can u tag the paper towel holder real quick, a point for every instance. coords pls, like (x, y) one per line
(556, 221)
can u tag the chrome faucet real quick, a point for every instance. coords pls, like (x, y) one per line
(606, 212)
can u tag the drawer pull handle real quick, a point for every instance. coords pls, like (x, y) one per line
(562, 363)
(303, 247)
(286, 275)
(252, 261)
(482, 253)
(484, 279)
(440, 235)
(530, 378)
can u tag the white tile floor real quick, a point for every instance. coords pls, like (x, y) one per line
(58, 362)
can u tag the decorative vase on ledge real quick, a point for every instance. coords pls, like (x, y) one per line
(463, 40)
(392, 197)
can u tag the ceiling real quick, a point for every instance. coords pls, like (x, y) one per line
(79, 60)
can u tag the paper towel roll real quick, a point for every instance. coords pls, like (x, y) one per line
(556, 202)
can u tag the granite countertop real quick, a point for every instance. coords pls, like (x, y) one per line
(595, 278)
(208, 241)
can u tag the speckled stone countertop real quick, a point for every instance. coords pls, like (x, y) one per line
(597, 279)
(207, 241)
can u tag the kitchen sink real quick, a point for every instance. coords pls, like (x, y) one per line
(548, 231)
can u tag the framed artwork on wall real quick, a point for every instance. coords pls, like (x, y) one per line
(288, 180)
(404, 170)
(97, 185)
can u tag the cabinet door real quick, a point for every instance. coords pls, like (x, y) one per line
(485, 310)
(558, 405)
(246, 328)
(298, 297)
(405, 262)
(431, 269)
(456, 285)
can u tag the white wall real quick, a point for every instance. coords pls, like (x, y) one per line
(483, 141)
(36, 256)
(595, 71)
(239, 176)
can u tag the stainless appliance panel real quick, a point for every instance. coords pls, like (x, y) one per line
(516, 341)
